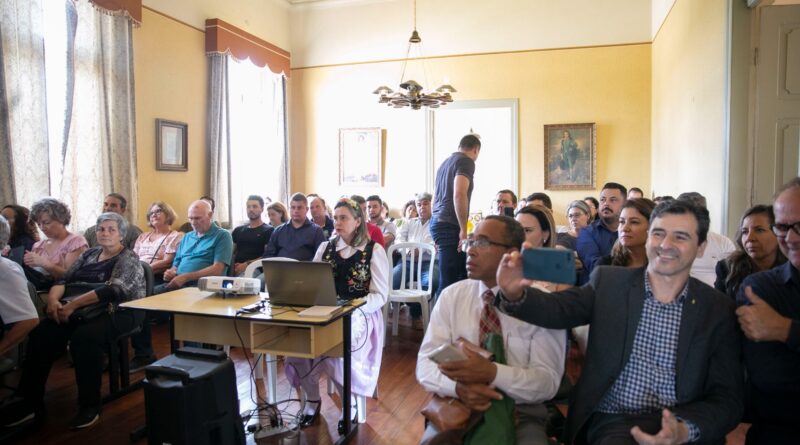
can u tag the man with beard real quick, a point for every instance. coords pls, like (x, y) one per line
(663, 353)
(595, 241)
(250, 239)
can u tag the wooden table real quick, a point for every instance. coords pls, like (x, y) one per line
(207, 317)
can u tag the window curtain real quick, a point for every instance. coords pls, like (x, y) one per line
(219, 141)
(99, 152)
(24, 169)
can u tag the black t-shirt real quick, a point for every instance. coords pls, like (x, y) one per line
(457, 164)
(250, 242)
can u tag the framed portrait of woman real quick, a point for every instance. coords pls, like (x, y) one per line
(570, 156)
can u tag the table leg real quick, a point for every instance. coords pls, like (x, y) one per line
(173, 344)
(349, 427)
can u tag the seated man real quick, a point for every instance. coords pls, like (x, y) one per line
(540, 199)
(250, 239)
(375, 233)
(718, 247)
(635, 193)
(505, 199)
(203, 252)
(663, 360)
(416, 230)
(467, 309)
(17, 312)
(319, 214)
(297, 238)
(375, 214)
(596, 240)
(116, 203)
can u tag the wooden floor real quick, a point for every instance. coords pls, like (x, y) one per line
(391, 419)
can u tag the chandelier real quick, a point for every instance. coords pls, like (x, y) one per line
(411, 93)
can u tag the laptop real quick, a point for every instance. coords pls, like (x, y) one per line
(300, 283)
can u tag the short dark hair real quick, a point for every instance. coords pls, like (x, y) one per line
(616, 186)
(515, 234)
(541, 197)
(299, 197)
(469, 142)
(683, 207)
(256, 198)
(123, 202)
(375, 198)
(637, 190)
(513, 195)
(358, 199)
(660, 199)
(695, 197)
(312, 196)
(210, 200)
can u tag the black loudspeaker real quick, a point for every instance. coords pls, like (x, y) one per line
(191, 398)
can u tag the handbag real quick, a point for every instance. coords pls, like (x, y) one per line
(85, 314)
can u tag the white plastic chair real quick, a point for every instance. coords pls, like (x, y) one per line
(252, 271)
(411, 291)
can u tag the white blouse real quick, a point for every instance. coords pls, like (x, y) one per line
(379, 271)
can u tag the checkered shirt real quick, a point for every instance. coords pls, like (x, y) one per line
(647, 383)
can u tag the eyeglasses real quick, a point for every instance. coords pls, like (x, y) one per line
(782, 230)
(480, 243)
(154, 212)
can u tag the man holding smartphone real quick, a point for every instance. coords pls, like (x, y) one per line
(663, 357)
(467, 310)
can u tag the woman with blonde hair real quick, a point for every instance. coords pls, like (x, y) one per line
(360, 270)
(277, 214)
(158, 246)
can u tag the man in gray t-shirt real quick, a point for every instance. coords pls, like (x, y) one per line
(16, 308)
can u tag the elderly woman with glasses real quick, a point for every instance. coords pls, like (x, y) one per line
(116, 276)
(158, 246)
(55, 254)
(360, 270)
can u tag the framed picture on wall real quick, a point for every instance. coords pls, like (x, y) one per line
(360, 156)
(171, 145)
(570, 156)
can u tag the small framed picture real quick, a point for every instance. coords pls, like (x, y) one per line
(360, 156)
(171, 145)
(570, 157)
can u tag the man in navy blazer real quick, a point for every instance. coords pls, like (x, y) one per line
(663, 358)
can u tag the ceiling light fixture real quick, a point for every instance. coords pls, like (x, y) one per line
(413, 94)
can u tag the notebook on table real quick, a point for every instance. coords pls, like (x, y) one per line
(300, 283)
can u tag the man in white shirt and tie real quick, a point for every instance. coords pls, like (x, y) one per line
(467, 310)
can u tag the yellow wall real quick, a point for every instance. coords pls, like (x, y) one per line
(171, 83)
(607, 85)
(689, 100)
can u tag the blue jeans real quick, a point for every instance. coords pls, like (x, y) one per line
(414, 308)
(452, 263)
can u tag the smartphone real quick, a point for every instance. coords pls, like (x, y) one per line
(546, 264)
(446, 353)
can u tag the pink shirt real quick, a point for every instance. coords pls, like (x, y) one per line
(152, 246)
(58, 256)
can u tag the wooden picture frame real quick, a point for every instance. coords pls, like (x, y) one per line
(570, 156)
(172, 145)
(361, 156)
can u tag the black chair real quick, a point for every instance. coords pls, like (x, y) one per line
(119, 381)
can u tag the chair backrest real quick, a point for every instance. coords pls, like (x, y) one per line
(148, 279)
(413, 257)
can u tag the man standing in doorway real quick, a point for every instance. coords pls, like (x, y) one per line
(453, 190)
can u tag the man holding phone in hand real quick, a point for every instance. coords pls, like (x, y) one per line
(662, 362)
(467, 310)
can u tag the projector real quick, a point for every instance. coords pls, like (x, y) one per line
(230, 285)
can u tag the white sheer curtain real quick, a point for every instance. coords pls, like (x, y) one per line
(247, 135)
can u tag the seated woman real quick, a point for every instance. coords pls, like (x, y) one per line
(360, 270)
(277, 214)
(539, 227)
(409, 212)
(122, 278)
(158, 246)
(55, 254)
(756, 250)
(634, 221)
(23, 230)
(578, 215)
